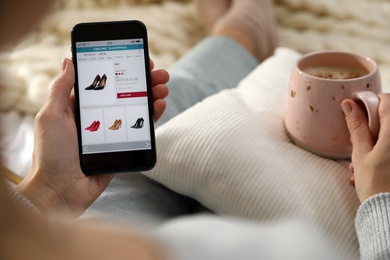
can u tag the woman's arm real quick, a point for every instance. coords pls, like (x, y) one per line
(371, 177)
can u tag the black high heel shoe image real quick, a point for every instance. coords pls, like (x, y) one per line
(136, 123)
(102, 83)
(94, 83)
(139, 123)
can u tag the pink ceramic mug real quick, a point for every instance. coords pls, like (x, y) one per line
(319, 82)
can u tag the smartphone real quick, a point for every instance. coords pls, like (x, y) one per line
(113, 97)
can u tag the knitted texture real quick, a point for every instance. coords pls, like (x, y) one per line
(373, 219)
(23, 201)
(29, 66)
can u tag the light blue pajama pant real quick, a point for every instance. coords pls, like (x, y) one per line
(216, 63)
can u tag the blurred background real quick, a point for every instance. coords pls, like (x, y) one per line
(28, 64)
(30, 58)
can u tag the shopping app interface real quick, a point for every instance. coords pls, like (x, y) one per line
(113, 96)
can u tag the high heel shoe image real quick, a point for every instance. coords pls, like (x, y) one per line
(136, 123)
(139, 123)
(96, 127)
(94, 83)
(91, 126)
(114, 124)
(117, 124)
(102, 83)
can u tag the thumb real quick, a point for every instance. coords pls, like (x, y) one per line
(358, 127)
(58, 98)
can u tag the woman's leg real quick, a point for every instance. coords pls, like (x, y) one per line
(243, 33)
(214, 64)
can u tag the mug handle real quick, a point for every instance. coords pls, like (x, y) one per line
(371, 103)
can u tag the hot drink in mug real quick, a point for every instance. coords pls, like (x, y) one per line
(335, 72)
(319, 82)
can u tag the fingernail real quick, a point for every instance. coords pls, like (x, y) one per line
(63, 64)
(347, 108)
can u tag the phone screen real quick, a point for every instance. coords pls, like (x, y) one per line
(113, 96)
(113, 101)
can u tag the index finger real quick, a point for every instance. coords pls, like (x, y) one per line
(384, 119)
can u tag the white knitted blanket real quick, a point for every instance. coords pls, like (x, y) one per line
(28, 68)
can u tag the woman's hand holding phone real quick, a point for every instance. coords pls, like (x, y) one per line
(113, 97)
(55, 179)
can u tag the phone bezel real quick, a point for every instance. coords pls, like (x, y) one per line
(123, 161)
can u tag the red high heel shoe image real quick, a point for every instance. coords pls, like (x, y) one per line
(94, 83)
(94, 126)
(102, 83)
(91, 126)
